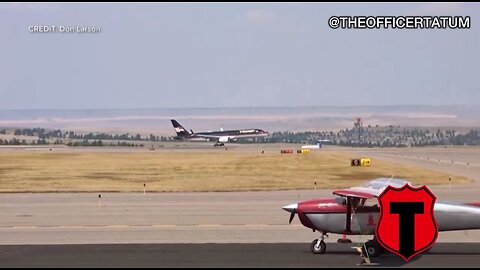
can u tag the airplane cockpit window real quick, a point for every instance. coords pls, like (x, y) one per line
(341, 200)
(370, 204)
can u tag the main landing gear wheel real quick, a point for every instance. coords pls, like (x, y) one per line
(372, 248)
(318, 246)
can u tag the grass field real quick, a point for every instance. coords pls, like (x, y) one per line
(193, 171)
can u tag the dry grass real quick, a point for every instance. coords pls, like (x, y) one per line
(193, 171)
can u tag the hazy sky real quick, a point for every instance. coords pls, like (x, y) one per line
(231, 55)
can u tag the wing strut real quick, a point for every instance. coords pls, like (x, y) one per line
(348, 224)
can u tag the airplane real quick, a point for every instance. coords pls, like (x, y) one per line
(221, 136)
(355, 211)
(318, 145)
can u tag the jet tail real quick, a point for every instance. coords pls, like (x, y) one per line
(182, 133)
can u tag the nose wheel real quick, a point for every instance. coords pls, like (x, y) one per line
(318, 246)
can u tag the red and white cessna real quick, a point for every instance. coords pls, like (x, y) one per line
(355, 212)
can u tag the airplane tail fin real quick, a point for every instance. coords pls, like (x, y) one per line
(182, 133)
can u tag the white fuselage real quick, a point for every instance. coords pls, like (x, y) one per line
(449, 217)
(313, 146)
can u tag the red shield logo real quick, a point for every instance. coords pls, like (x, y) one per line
(407, 224)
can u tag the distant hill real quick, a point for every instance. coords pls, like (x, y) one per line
(269, 118)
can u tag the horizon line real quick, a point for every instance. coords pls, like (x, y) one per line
(242, 107)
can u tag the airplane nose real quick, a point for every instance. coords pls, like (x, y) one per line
(291, 207)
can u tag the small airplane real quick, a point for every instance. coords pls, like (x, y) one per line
(221, 136)
(355, 211)
(318, 145)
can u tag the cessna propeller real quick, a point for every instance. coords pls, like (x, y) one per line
(292, 208)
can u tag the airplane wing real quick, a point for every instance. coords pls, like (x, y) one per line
(372, 188)
(210, 136)
(367, 191)
(353, 193)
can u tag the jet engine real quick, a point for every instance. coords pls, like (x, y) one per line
(223, 139)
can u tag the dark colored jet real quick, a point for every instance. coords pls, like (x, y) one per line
(221, 136)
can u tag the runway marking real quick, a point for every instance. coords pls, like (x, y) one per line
(270, 225)
(433, 160)
(210, 225)
(117, 226)
(256, 225)
(72, 227)
(163, 226)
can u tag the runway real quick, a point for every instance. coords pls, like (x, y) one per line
(214, 217)
(211, 229)
(463, 161)
(223, 255)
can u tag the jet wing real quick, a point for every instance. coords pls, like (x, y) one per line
(209, 136)
(229, 136)
(372, 188)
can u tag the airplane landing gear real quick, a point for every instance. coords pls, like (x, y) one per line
(218, 144)
(318, 246)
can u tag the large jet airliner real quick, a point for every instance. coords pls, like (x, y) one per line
(221, 136)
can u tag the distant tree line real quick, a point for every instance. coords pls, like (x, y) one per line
(101, 143)
(39, 132)
(49, 134)
(116, 137)
(15, 141)
(380, 137)
(388, 136)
